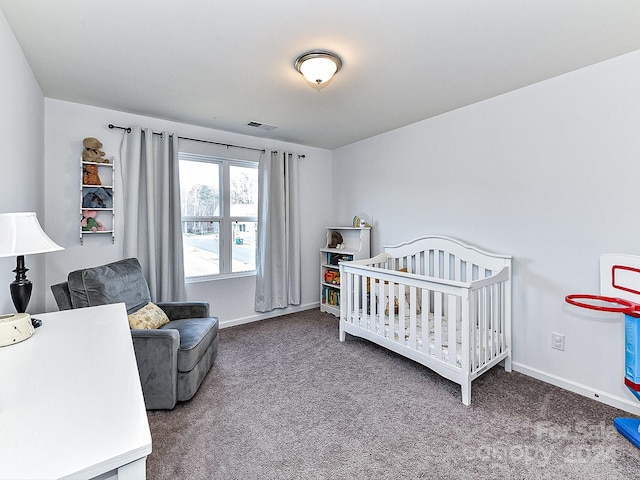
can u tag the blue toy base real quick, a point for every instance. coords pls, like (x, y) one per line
(628, 428)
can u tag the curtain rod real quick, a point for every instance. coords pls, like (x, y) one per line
(128, 130)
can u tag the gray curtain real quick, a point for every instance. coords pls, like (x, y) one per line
(278, 249)
(152, 228)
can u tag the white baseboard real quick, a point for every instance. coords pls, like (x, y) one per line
(263, 316)
(584, 390)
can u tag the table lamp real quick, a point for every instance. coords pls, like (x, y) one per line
(20, 235)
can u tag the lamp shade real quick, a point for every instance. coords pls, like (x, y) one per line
(21, 234)
(318, 66)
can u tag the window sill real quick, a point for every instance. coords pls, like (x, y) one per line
(213, 278)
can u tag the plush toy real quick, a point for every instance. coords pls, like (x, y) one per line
(329, 275)
(336, 240)
(395, 306)
(89, 221)
(91, 151)
(97, 197)
(90, 175)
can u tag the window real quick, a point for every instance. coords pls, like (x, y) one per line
(219, 202)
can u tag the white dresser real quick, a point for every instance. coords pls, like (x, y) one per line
(71, 404)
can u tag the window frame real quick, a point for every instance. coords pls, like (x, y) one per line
(225, 220)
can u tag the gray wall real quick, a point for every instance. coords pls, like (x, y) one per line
(66, 124)
(547, 174)
(21, 156)
(39, 155)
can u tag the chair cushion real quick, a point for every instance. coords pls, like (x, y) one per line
(148, 317)
(196, 334)
(121, 281)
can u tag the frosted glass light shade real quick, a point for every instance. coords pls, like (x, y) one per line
(21, 234)
(318, 67)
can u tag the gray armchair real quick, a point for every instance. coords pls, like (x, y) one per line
(172, 360)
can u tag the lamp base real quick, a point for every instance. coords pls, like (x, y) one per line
(21, 287)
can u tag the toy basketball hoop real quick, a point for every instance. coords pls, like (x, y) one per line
(620, 275)
(615, 304)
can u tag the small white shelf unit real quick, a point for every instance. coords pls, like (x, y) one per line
(356, 246)
(105, 214)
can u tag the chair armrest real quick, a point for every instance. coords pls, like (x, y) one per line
(180, 310)
(157, 358)
(62, 295)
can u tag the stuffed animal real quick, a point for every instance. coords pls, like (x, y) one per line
(97, 197)
(91, 151)
(329, 275)
(395, 306)
(90, 175)
(336, 240)
(89, 221)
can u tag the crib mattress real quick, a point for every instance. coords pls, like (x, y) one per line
(367, 324)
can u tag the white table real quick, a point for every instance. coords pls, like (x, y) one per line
(71, 404)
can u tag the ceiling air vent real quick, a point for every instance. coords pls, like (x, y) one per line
(261, 126)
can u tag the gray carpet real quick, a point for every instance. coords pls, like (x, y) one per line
(286, 400)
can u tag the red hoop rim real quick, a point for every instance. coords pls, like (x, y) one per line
(625, 306)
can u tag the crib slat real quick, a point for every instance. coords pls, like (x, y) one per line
(395, 295)
(501, 321)
(412, 317)
(495, 320)
(425, 326)
(380, 309)
(495, 315)
(345, 304)
(457, 266)
(352, 298)
(479, 306)
(485, 326)
(362, 304)
(452, 316)
(373, 306)
(480, 327)
(389, 309)
(437, 325)
(487, 323)
(445, 263)
(466, 331)
(472, 330)
(436, 263)
(401, 292)
(469, 272)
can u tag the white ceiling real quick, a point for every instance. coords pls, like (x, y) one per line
(224, 63)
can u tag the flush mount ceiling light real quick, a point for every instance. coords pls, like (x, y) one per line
(318, 66)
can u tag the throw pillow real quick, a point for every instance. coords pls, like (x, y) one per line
(150, 316)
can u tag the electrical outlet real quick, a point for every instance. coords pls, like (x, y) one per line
(557, 341)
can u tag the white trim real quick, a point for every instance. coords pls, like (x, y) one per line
(219, 276)
(224, 219)
(263, 316)
(584, 390)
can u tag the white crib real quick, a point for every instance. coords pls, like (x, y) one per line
(417, 296)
